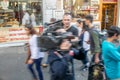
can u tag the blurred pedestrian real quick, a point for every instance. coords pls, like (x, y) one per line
(52, 20)
(35, 56)
(33, 18)
(95, 48)
(26, 18)
(111, 54)
(84, 37)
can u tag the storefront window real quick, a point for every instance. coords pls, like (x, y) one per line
(20, 12)
(81, 8)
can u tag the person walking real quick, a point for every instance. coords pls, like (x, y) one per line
(84, 37)
(35, 56)
(111, 54)
(95, 48)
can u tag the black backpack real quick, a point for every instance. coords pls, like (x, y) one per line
(80, 55)
(97, 72)
(59, 67)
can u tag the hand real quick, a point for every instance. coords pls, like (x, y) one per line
(71, 53)
(30, 61)
(97, 60)
(26, 61)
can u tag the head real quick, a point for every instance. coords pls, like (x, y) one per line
(113, 32)
(88, 19)
(30, 30)
(52, 20)
(67, 20)
(80, 23)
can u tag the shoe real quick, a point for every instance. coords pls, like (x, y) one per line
(44, 65)
(83, 68)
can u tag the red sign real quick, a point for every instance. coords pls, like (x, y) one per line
(109, 0)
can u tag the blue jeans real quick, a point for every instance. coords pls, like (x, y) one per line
(85, 61)
(37, 63)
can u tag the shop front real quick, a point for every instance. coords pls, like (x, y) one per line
(14, 14)
(81, 8)
(20, 12)
(109, 13)
(103, 11)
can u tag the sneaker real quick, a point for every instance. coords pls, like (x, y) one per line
(44, 65)
(84, 68)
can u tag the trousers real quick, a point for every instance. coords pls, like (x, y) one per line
(37, 63)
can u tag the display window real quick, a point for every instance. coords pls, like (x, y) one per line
(81, 8)
(17, 13)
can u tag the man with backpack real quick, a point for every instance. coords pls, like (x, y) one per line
(95, 49)
(94, 39)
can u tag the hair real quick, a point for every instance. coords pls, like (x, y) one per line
(52, 20)
(31, 29)
(89, 17)
(66, 14)
(113, 30)
(85, 27)
(79, 21)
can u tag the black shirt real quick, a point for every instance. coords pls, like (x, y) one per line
(73, 30)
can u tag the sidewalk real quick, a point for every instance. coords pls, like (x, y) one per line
(11, 44)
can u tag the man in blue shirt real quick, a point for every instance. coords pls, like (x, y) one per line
(111, 54)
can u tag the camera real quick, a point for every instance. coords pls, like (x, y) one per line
(51, 39)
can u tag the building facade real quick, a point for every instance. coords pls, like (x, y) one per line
(105, 12)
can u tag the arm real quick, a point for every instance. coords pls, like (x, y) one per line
(97, 49)
(75, 32)
(86, 39)
(114, 53)
(118, 49)
(96, 42)
(28, 54)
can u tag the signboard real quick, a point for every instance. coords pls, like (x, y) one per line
(109, 0)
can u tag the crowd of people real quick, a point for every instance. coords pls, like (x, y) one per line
(88, 38)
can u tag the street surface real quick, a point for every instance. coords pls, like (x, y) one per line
(12, 66)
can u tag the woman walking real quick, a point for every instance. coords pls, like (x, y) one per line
(34, 55)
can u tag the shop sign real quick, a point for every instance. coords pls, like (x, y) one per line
(109, 0)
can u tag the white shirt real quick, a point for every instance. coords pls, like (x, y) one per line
(26, 19)
(79, 31)
(86, 38)
(35, 51)
(32, 17)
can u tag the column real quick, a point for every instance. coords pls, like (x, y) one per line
(118, 20)
(49, 7)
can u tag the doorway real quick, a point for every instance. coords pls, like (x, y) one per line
(109, 15)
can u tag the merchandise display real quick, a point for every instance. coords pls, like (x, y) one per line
(12, 12)
(108, 17)
(81, 8)
(4, 4)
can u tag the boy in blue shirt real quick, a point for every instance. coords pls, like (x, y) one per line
(111, 54)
